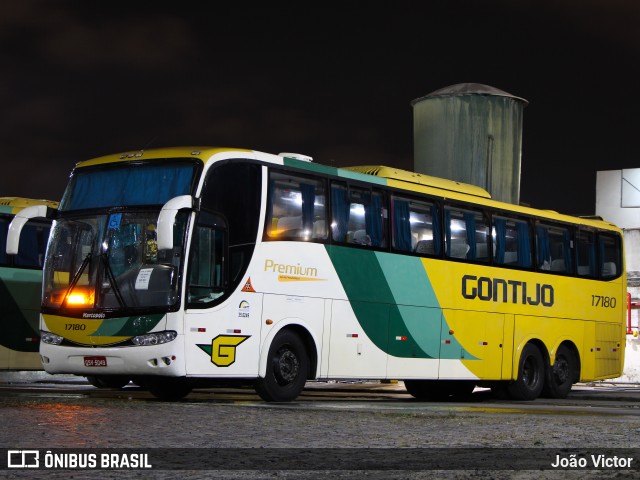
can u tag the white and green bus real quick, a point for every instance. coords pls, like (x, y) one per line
(182, 267)
(21, 286)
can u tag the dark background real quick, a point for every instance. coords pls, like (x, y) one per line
(333, 80)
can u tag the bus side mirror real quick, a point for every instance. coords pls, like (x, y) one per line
(167, 218)
(18, 222)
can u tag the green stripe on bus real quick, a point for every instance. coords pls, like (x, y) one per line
(338, 172)
(127, 326)
(394, 302)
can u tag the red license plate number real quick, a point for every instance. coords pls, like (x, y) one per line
(95, 361)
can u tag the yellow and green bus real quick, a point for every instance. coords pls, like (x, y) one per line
(21, 286)
(182, 267)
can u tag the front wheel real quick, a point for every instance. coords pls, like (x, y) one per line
(561, 375)
(168, 388)
(287, 369)
(108, 381)
(530, 379)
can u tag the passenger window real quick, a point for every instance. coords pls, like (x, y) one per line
(553, 248)
(585, 253)
(358, 216)
(296, 208)
(466, 234)
(511, 242)
(416, 226)
(609, 256)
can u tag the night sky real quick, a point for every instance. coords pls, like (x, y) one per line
(86, 78)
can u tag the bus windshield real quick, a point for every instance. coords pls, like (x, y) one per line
(111, 262)
(129, 184)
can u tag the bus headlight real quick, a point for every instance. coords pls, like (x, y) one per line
(155, 338)
(50, 338)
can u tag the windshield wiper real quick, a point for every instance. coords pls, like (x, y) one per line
(112, 280)
(76, 278)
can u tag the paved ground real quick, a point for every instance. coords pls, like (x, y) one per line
(329, 420)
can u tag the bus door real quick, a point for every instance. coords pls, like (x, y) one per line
(222, 329)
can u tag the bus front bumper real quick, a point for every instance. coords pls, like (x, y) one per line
(167, 359)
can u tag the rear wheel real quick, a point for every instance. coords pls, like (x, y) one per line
(108, 381)
(530, 379)
(561, 375)
(287, 369)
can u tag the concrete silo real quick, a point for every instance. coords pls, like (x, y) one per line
(471, 133)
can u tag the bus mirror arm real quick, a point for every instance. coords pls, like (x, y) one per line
(18, 222)
(167, 218)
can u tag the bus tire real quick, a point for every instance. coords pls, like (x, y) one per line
(530, 381)
(561, 375)
(287, 369)
(440, 390)
(108, 381)
(168, 389)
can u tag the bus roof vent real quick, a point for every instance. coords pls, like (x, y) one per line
(420, 179)
(296, 156)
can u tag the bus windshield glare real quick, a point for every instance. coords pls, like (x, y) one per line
(111, 262)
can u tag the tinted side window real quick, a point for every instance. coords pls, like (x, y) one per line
(234, 190)
(358, 216)
(416, 226)
(296, 208)
(586, 253)
(512, 242)
(466, 234)
(610, 255)
(553, 248)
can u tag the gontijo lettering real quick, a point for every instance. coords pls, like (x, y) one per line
(506, 291)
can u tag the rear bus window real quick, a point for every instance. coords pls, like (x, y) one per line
(586, 265)
(609, 256)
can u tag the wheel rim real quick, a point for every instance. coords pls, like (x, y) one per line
(561, 370)
(530, 372)
(286, 366)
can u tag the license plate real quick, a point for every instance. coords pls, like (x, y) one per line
(95, 361)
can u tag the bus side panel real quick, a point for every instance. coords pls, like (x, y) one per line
(479, 346)
(609, 351)
(352, 354)
(13, 360)
(414, 342)
(298, 312)
(507, 354)
(225, 341)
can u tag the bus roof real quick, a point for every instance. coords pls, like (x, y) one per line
(378, 174)
(420, 179)
(200, 153)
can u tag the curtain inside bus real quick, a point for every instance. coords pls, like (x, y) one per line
(128, 184)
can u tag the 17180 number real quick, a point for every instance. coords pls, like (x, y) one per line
(602, 301)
